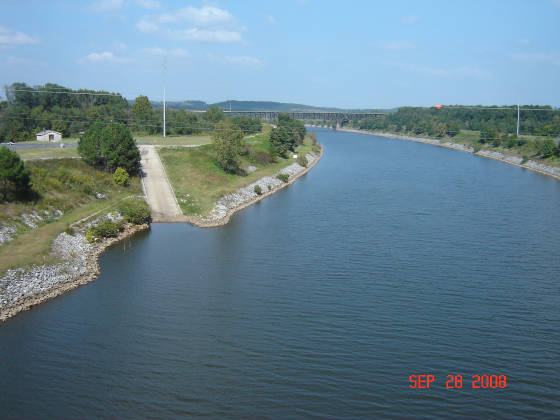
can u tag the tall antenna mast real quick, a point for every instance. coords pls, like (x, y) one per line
(164, 96)
(518, 120)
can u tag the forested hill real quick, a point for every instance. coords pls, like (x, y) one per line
(244, 106)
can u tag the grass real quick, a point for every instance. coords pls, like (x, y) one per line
(48, 153)
(173, 140)
(67, 185)
(198, 181)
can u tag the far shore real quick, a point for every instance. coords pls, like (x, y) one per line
(499, 156)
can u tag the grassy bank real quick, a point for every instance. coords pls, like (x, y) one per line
(173, 140)
(198, 181)
(48, 153)
(67, 185)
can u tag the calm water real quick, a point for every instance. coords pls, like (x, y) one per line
(388, 259)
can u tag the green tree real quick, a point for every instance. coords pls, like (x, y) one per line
(109, 146)
(227, 141)
(14, 176)
(214, 114)
(547, 148)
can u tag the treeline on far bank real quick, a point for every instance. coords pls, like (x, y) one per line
(28, 110)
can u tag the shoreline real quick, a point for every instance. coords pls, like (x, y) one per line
(530, 165)
(225, 220)
(91, 273)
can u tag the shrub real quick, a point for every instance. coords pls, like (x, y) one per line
(525, 159)
(263, 158)
(107, 229)
(302, 160)
(476, 148)
(136, 212)
(283, 177)
(257, 189)
(120, 176)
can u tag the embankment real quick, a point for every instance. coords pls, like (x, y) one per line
(21, 289)
(244, 197)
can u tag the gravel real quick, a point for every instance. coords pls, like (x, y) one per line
(17, 285)
(7, 233)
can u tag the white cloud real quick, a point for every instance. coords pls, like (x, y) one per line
(101, 6)
(148, 4)
(205, 24)
(203, 17)
(147, 26)
(102, 57)
(548, 58)
(396, 45)
(177, 52)
(410, 19)
(9, 37)
(206, 35)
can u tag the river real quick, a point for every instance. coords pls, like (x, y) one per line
(388, 259)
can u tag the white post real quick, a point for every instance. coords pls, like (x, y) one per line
(518, 120)
(164, 96)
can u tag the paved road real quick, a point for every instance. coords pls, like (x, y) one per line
(159, 193)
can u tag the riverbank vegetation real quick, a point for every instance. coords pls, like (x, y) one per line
(66, 190)
(479, 127)
(199, 177)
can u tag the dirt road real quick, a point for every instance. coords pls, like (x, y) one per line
(159, 193)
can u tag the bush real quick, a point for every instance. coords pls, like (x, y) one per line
(476, 148)
(136, 212)
(263, 158)
(120, 176)
(302, 160)
(107, 229)
(283, 177)
(525, 159)
(257, 189)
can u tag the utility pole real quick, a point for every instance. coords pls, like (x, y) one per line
(164, 96)
(518, 120)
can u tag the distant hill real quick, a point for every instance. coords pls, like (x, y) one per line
(245, 106)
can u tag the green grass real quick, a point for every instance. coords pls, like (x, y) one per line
(67, 185)
(194, 171)
(48, 153)
(173, 140)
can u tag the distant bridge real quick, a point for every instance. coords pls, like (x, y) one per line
(338, 116)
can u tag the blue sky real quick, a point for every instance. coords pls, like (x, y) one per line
(352, 54)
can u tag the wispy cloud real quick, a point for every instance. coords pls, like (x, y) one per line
(270, 19)
(102, 6)
(205, 24)
(205, 35)
(396, 45)
(11, 60)
(243, 61)
(10, 38)
(177, 52)
(410, 19)
(540, 57)
(102, 57)
(148, 4)
(524, 41)
(448, 72)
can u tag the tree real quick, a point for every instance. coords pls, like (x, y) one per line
(227, 144)
(214, 114)
(547, 148)
(13, 174)
(109, 146)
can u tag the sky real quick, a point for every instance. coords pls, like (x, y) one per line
(348, 54)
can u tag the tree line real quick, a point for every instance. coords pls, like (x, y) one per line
(28, 110)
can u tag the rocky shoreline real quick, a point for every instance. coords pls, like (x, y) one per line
(21, 289)
(502, 157)
(244, 197)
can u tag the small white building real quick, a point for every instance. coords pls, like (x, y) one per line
(49, 135)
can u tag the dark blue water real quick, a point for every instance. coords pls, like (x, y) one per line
(388, 259)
